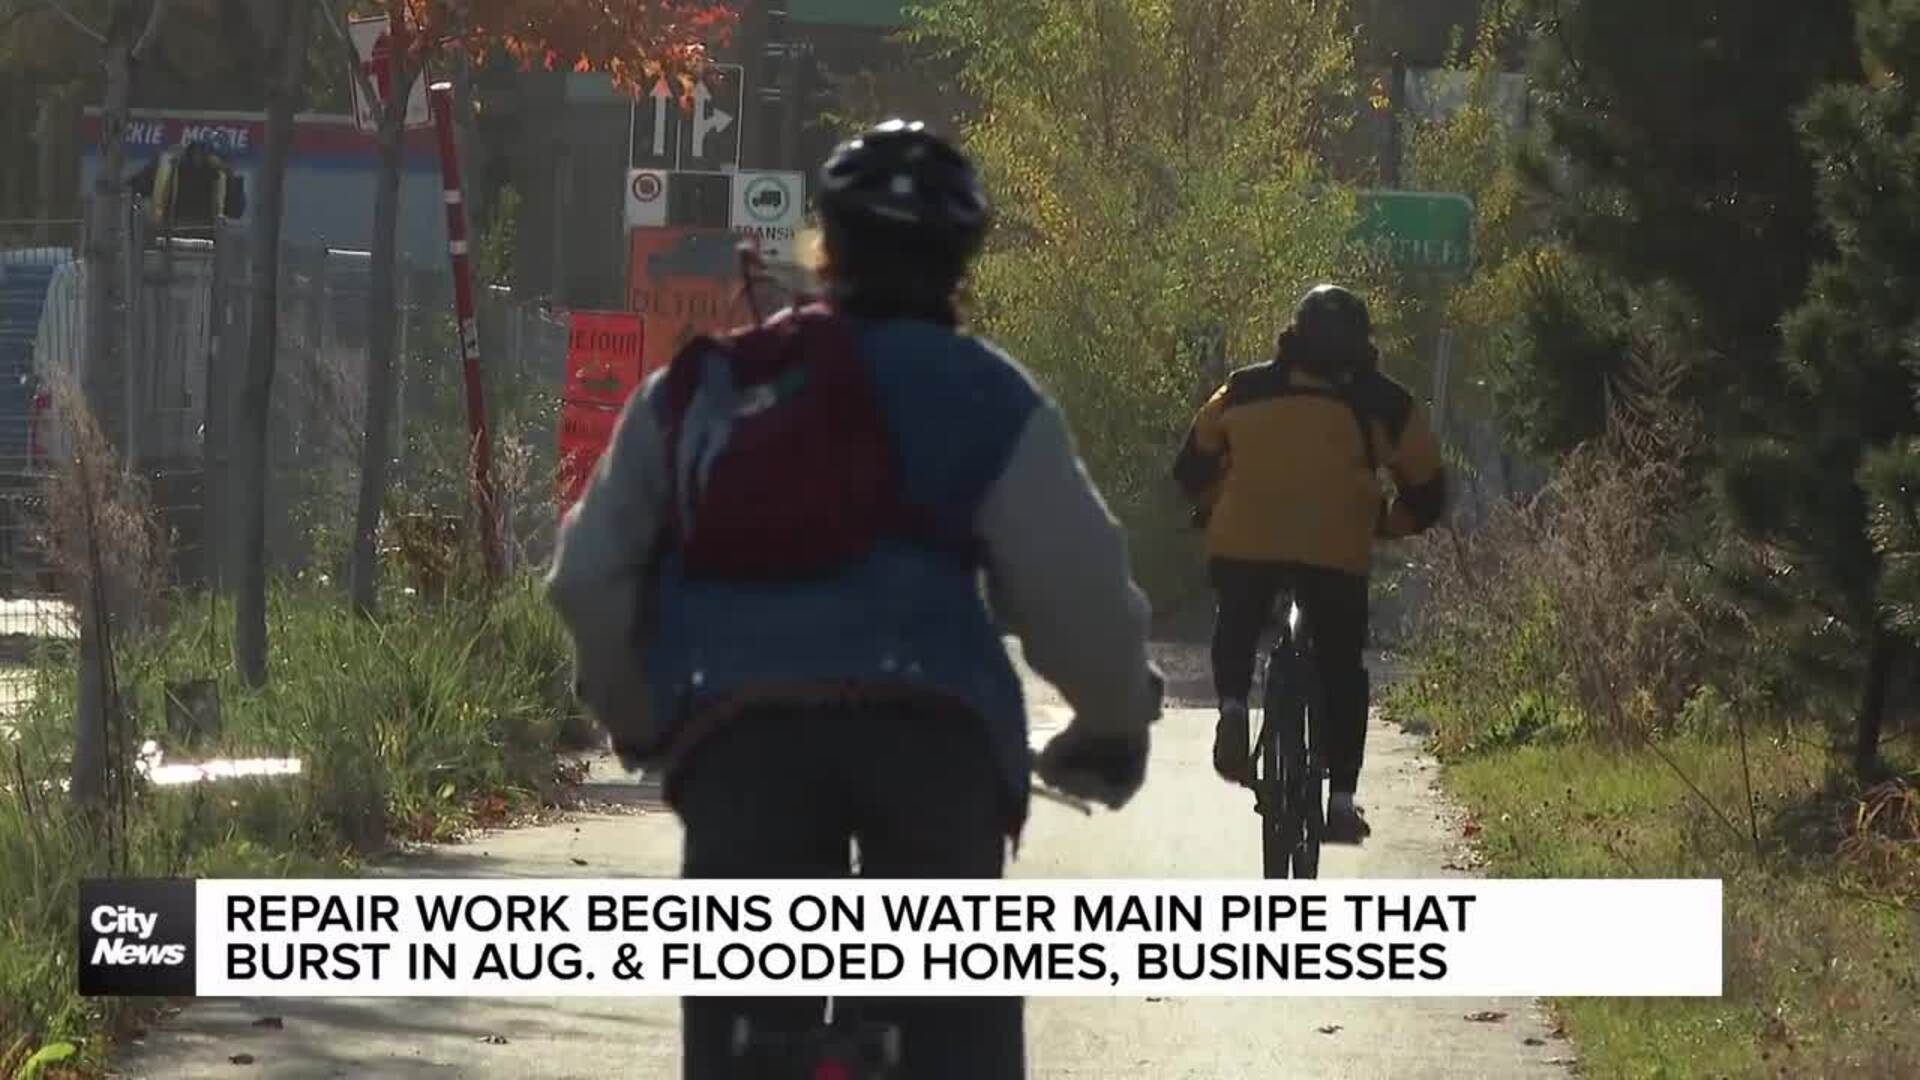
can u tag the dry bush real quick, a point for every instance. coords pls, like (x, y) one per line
(1882, 841)
(99, 515)
(1566, 610)
(1634, 639)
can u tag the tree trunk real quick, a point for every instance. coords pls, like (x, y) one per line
(382, 313)
(47, 143)
(106, 251)
(1873, 704)
(286, 53)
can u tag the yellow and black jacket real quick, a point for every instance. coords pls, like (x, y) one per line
(189, 186)
(1284, 467)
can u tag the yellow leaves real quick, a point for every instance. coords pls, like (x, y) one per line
(1378, 96)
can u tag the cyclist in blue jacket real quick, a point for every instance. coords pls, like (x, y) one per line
(873, 706)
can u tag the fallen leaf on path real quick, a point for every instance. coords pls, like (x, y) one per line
(241, 1059)
(494, 1040)
(579, 862)
(1156, 999)
(1328, 1029)
(1471, 828)
(1534, 1040)
(271, 1022)
(1487, 1016)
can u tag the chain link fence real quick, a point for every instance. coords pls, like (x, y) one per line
(184, 309)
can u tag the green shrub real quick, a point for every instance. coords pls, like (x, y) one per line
(435, 717)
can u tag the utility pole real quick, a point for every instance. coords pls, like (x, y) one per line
(790, 96)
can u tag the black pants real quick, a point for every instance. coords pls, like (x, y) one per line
(785, 791)
(1335, 605)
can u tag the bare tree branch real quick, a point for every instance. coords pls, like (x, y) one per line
(60, 8)
(155, 17)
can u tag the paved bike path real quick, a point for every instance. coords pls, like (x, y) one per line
(1185, 824)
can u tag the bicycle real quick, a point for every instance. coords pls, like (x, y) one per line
(841, 1046)
(1288, 769)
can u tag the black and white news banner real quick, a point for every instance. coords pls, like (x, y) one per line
(595, 938)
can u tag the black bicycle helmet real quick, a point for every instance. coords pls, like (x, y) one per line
(1334, 318)
(900, 176)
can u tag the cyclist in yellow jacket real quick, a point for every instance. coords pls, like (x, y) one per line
(1283, 465)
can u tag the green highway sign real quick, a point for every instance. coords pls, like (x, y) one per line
(1420, 230)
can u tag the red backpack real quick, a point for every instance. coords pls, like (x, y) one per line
(780, 460)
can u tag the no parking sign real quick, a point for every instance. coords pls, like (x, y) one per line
(646, 198)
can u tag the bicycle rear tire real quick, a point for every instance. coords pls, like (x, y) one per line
(1276, 826)
(1293, 815)
(1282, 759)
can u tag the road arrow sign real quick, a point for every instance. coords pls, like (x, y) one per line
(711, 139)
(707, 120)
(662, 101)
(654, 141)
(701, 136)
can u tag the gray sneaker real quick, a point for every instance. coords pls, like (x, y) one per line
(1231, 758)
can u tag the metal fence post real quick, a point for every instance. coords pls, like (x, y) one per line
(130, 329)
(213, 426)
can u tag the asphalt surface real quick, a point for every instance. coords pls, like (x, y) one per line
(1185, 824)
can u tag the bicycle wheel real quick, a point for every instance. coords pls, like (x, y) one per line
(1305, 795)
(1281, 761)
(1305, 854)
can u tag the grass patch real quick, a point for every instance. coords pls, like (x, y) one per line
(433, 719)
(1822, 935)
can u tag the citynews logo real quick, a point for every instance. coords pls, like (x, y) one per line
(136, 938)
(118, 951)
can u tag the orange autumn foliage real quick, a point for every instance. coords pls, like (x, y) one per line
(637, 43)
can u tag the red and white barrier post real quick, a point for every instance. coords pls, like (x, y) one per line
(440, 98)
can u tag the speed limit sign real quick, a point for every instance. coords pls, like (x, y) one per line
(646, 198)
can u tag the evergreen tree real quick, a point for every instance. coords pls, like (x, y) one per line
(1670, 167)
(1853, 362)
(1740, 181)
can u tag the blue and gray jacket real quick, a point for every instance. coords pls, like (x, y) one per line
(983, 450)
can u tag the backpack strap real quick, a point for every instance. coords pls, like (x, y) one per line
(1362, 417)
(1369, 397)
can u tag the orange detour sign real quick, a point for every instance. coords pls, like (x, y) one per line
(604, 350)
(683, 282)
(586, 431)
